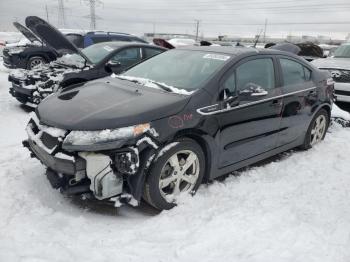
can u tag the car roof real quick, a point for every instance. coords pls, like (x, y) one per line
(236, 50)
(118, 44)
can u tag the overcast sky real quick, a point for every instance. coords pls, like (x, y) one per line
(217, 17)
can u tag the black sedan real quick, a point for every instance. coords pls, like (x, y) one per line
(78, 66)
(183, 117)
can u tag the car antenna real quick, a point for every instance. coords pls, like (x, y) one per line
(257, 38)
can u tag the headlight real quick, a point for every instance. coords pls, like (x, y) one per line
(102, 139)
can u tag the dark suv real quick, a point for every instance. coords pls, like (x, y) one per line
(36, 53)
(180, 118)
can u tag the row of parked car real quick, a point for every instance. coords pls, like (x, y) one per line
(125, 121)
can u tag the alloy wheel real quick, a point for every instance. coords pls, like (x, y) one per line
(318, 130)
(179, 175)
(35, 62)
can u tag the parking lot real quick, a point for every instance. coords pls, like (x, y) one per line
(294, 208)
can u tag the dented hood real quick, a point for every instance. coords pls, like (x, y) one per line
(106, 104)
(26, 32)
(52, 37)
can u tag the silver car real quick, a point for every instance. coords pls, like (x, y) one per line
(339, 67)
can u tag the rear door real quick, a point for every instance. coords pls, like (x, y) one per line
(250, 127)
(300, 95)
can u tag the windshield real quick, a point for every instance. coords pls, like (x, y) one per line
(96, 53)
(342, 51)
(184, 69)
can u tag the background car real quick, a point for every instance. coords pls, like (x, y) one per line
(99, 60)
(36, 52)
(185, 116)
(339, 67)
(309, 51)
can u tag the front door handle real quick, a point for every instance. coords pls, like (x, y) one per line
(276, 103)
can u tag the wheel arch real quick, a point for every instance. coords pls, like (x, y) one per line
(204, 141)
(325, 106)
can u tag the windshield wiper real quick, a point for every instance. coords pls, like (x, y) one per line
(164, 87)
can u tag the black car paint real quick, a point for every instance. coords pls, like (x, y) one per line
(231, 138)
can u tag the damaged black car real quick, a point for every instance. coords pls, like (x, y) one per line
(181, 118)
(29, 55)
(79, 66)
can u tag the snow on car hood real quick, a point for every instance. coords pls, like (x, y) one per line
(106, 104)
(332, 63)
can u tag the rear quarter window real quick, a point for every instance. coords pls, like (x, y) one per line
(293, 72)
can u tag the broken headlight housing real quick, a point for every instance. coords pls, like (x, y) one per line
(102, 139)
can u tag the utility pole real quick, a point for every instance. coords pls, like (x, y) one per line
(92, 14)
(197, 29)
(265, 30)
(93, 17)
(47, 13)
(61, 14)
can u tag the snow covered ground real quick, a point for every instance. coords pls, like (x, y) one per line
(296, 208)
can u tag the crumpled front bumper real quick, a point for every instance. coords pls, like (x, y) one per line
(101, 175)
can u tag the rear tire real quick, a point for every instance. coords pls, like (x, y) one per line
(35, 61)
(179, 170)
(317, 129)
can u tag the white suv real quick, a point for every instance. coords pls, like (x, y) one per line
(339, 67)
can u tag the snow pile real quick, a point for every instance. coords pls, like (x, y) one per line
(339, 113)
(153, 84)
(72, 60)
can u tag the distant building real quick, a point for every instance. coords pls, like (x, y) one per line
(167, 36)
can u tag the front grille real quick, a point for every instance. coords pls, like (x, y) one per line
(49, 141)
(340, 76)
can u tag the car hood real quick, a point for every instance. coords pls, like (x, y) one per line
(106, 104)
(332, 63)
(26, 32)
(52, 37)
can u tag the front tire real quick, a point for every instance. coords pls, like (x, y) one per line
(317, 129)
(178, 171)
(35, 61)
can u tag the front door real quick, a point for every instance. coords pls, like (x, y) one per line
(250, 126)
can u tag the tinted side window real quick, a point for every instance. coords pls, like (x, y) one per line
(121, 38)
(77, 40)
(230, 85)
(100, 39)
(149, 52)
(127, 57)
(258, 72)
(293, 72)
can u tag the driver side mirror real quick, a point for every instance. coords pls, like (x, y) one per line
(253, 90)
(112, 66)
(228, 100)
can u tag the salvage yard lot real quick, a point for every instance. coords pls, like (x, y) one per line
(293, 209)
